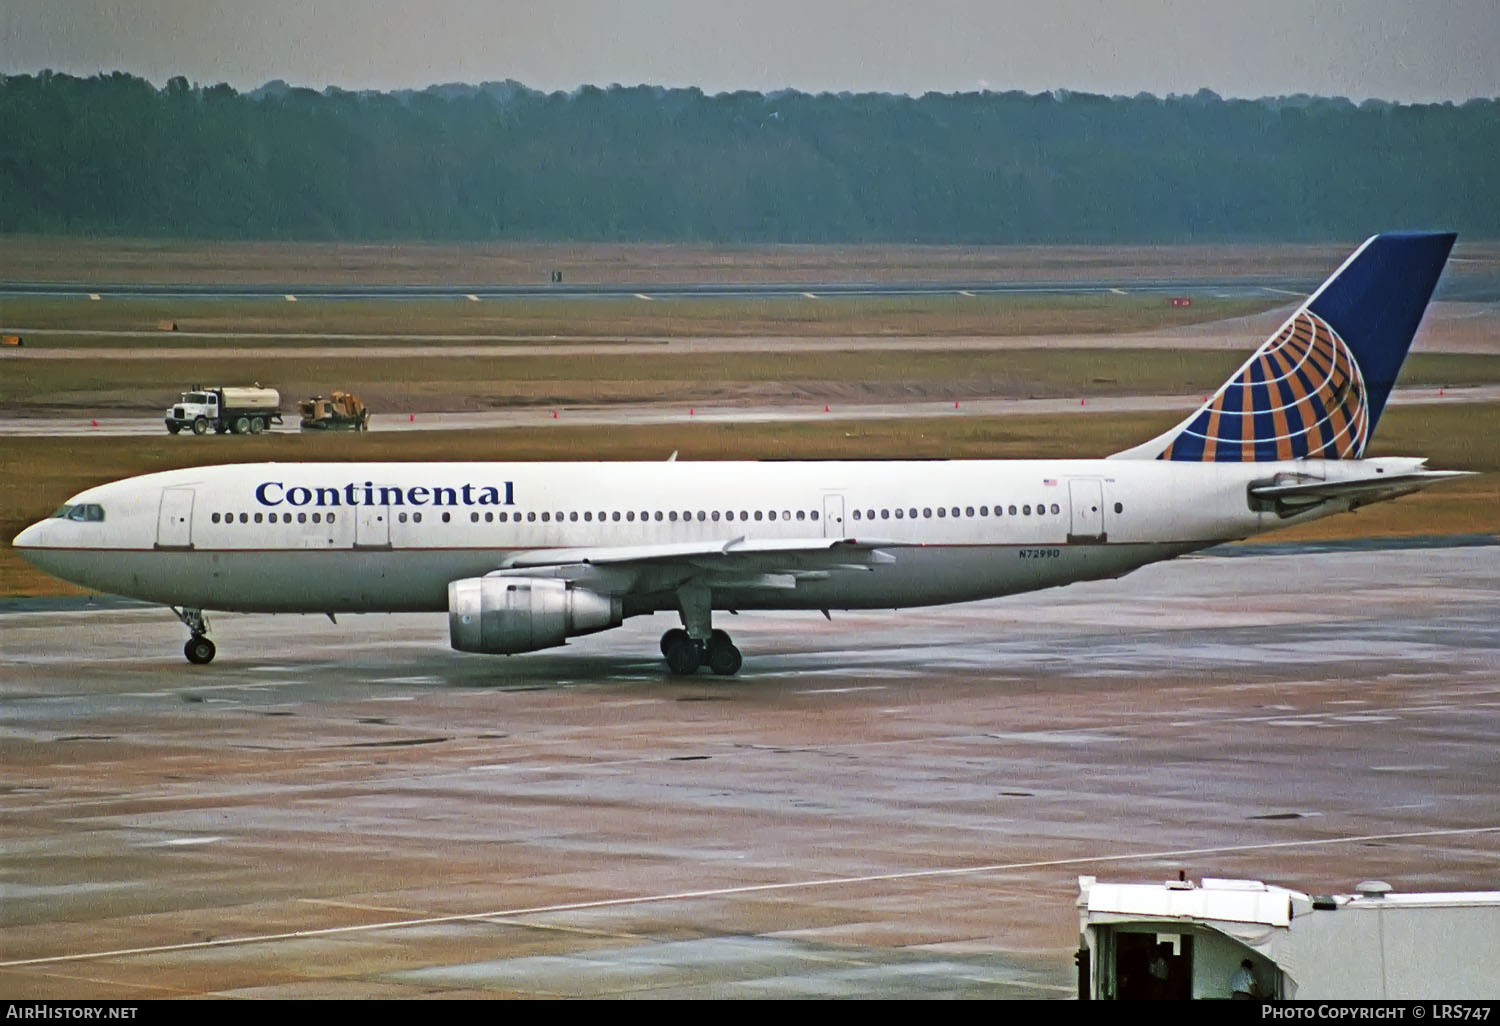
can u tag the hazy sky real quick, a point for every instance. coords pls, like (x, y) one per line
(1394, 49)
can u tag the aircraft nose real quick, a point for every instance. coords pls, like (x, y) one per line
(31, 538)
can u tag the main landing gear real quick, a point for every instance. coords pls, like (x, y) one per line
(199, 650)
(685, 656)
(696, 643)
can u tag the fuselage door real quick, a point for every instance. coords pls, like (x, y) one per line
(1087, 498)
(833, 516)
(174, 521)
(372, 527)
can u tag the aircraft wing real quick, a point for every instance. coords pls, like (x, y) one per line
(1290, 497)
(741, 562)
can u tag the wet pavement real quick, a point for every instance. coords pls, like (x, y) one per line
(882, 805)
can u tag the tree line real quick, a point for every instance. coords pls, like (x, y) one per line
(113, 154)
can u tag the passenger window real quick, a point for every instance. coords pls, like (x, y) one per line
(573, 518)
(258, 517)
(489, 517)
(715, 516)
(214, 519)
(1055, 510)
(757, 515)
(912, 512)
(416, 518)
(927, 511)
(400, 517)
(984, 511)
(588, 516)
(968, 511)
(1026, 511)
(1119, 508)
(898, 514)
(546, 518)
(1013, 511)
(672, 516)
(318, 517)
(770, 514)
(942, 512)
(885, 514)
(531, 518)
(330, 518)
(446, 517)
(615, 516)
(630, 515)
(801, 515)
(856, 515)
(474, 517)
(955, 511)
(813, 515)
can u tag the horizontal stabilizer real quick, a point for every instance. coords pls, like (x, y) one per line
(1288, 496)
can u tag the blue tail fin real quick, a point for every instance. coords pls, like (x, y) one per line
(1317, 387)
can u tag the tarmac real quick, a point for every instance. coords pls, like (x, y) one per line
(884, 805)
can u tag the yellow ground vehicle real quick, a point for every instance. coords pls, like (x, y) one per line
(339, 411)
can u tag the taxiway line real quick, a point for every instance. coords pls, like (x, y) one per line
(725, 892)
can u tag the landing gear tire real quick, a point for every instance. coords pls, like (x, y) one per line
(672, 637)
(723, 658)
(200, 426)
(199, 651)
(683, 655)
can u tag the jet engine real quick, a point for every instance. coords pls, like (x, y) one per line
(505, 615)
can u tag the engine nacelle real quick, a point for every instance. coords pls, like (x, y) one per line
(504, 615)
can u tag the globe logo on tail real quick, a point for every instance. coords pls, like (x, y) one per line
(1300, 396)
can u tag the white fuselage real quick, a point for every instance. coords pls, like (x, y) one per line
(371, 537)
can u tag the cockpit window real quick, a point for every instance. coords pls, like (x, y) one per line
(83, 512)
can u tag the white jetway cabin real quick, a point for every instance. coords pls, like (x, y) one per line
(1180, 940)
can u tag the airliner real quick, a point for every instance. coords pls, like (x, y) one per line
(523, 556)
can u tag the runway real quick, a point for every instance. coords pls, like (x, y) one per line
(890, 805)
(1466, 285)
(647, 290)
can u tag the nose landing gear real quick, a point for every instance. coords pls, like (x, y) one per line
(199, 650)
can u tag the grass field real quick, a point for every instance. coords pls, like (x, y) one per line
(397, 385)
